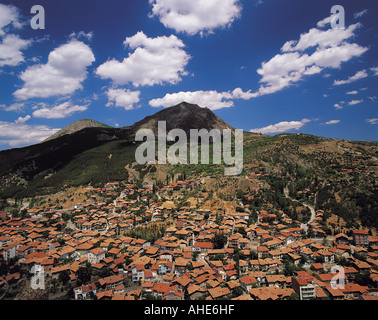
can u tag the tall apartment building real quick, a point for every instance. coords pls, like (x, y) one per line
(361, 238)
(304, 285)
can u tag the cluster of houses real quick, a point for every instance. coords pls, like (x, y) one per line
(186, 262)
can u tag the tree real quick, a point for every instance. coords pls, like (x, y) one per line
(363, 279)
(64, 276)
(105, 272)
(84, 274)
(195, 255)
(3, 268)
(288, 268)
(239, 194)
(219, 240)
(294, 296)
(237, 291)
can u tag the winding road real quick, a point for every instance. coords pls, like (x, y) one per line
(304, 226)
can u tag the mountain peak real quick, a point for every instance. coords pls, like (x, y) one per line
(184, 116)
(77, 126)
(186, 105)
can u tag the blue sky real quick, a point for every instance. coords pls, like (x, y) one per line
(261, 65)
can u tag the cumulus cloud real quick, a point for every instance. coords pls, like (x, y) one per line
(122, 98)
(21, 134)
(320, 38)
(154, 61)
(11, 45)
(10, 50)
(63, 73)
(195, 16)
(211, 99)
(22, 119)
(315, 51)
(238, 93)
(359, 75)
(282, 126)
(9, 16)
(60, 111)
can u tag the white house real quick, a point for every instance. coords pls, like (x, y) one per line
(95, 255)
(84, 291)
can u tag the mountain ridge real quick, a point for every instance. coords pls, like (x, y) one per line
(81, 152)
(185, 116)
(77, 126)
(345, 171)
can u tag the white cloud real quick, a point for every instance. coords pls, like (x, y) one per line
(333, 57)
(284, 70)
(332, 122)
(359, 14)
(155, 61)
(81, 35)
(17, 107)
(353, 102)
(9, 16)
(352, 92)
(326, 49)
(374, 70)
(322, 23)
(10, 50)
(322, 39)
(195, 16)
(359, 75)
(282, 126)
(11, 45)
(22, 119)
(123, 98)
(211, 99)
(338, 106)
(63, 73)
(60, 111)
(372, 121)
(238, 93)
(20, 134)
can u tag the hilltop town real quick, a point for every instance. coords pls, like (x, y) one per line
(179, 240)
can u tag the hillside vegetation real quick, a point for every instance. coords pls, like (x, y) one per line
(337, 176)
